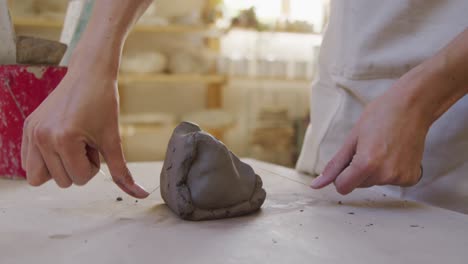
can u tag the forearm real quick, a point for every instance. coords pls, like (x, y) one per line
(439, 82)
(102, 41)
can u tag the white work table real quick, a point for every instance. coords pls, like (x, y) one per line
(296, 225)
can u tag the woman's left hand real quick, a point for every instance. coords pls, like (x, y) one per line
(386, 145)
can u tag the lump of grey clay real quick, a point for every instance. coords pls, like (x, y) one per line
(201, 179)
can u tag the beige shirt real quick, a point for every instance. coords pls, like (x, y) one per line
(368, 45)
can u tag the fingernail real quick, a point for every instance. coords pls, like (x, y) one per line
(316, 182)
(139, 191)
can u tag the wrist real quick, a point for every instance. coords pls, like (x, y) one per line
(98, 51)
(103, 60)
(100, 46)
(427, 91)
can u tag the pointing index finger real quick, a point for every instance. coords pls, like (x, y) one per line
(120, 172)
(336, 165)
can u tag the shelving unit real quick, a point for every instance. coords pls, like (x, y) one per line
(174, 97)
(267, 79)
(212, 81)
(33, 22)
(206, 79)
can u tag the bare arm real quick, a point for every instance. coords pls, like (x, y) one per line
(387, 143)
(63, 137)
(449, 69)
(103, 39)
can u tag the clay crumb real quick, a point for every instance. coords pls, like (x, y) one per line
(414, 225)
(351, 213)
(340, 203)
(369, 224)
(119, 199)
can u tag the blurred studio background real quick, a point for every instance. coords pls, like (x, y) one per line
(241, 69)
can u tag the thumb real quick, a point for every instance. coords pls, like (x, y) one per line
(119, 171)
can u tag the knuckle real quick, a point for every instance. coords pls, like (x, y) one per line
(27, 123)
(36, 177)
(379, 153)
(371, 161)
(81, 181)
(388, 178)
(63, 137)
(365, 164)
(409, 181)
(113, 141)
(63, 184)
(331, 165)
(342, 189)
(41, 136)
(403, 177)
(35, 181)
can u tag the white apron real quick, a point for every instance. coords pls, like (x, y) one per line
(368, 45)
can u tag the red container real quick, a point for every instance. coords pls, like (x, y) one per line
(22, 89)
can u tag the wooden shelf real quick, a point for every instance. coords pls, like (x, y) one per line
(267, 79)
(36, 22)
(126, 78)
(32, 22)
(180, 29)
(273, 31)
